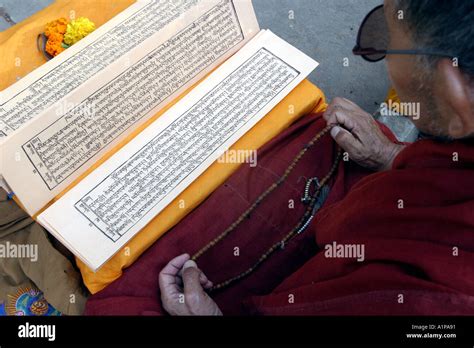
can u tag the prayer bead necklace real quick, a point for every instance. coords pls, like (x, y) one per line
(311, 201)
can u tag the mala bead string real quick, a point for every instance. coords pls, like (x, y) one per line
(259, 199)
(300, 227)
(302, 224)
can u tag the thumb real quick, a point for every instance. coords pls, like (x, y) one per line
(192, 278)
(197, 300)
(344, 138)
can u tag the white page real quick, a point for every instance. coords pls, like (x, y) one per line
(32, 94)
(46, 85)
(102, 213)
(42, 158)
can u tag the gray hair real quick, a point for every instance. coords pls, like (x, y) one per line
(446, 26)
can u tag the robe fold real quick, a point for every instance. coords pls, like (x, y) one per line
(415, 223)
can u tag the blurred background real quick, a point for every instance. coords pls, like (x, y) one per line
(324, 29)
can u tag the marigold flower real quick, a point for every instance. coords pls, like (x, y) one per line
(77, 30)
(58, 26)
(54, 44)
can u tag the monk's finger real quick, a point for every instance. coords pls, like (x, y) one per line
(175, 265)
(350, 103)
(343, 119)
(202, 278)
(167, 277)
(197, 300)
(205, 282)
(193, 290)
(344, 139)
(191, 277)
(339, 104)
(208, 285)
(334, 106)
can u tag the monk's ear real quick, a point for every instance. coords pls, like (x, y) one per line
(453, 88)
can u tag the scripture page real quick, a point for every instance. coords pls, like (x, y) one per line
(55, 79)
(98, 216)
(142, 69)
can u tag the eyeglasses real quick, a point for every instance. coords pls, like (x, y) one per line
(373, 39)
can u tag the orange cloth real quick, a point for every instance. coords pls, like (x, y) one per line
(19, 41)
(18, 52)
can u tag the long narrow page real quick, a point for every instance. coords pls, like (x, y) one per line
(49, 83)
(97, 217)
(42, 158)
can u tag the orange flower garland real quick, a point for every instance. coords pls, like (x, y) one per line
(55, 31)
(62, 34)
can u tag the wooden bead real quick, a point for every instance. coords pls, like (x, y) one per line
(270, 189)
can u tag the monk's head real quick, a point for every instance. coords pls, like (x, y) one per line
(443, 86)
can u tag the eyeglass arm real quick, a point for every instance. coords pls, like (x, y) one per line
(369, 51)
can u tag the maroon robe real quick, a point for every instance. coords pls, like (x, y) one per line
(416, 223)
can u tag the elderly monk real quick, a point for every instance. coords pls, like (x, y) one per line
(395, 234)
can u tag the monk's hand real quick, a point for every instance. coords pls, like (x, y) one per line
(182, 286)
(358, 134)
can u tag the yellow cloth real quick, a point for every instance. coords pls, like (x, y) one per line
(21, 39)
(393, 96)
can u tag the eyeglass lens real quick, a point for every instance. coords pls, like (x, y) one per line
(374, 34)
